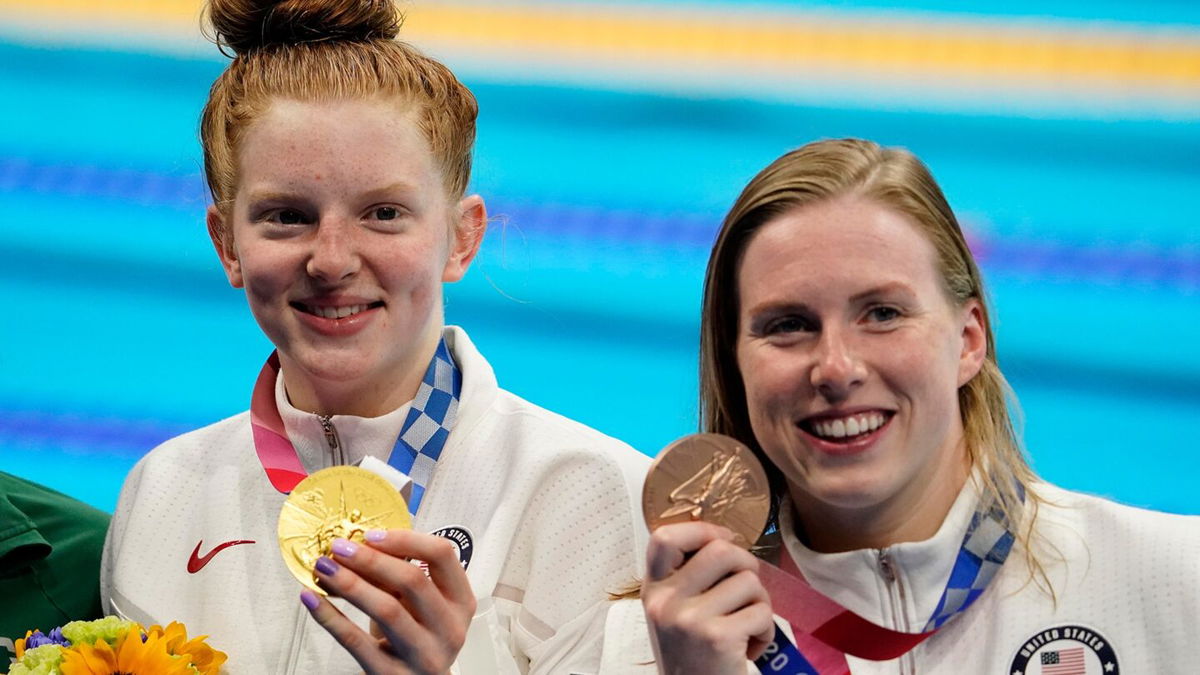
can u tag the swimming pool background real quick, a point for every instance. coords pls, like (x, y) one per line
(606, 190)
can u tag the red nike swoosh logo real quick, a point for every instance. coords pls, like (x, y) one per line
(197, 561)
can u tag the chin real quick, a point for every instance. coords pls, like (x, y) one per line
(336, 365)
(848, 489)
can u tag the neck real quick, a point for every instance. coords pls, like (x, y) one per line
(828, 528)
(368, 396)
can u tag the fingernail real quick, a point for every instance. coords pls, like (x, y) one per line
(310, 599)
(326, 566)
(344, 547)
(375, 536)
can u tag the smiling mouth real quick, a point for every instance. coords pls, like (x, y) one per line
(341, 312)
(846, 428)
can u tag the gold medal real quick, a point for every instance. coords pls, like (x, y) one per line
(708, 477)
(341, 501)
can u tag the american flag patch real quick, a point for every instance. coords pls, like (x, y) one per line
(1064, 662)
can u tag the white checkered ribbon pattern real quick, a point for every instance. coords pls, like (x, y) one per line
(428, 424)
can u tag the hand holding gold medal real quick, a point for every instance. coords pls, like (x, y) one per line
(340, 502)
(346, 531)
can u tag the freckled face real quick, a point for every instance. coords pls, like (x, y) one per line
(341, 237)
(852, 354)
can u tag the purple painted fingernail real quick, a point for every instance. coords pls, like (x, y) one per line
(326, 566)
(375, 536)
(344, 547)
(309, 599)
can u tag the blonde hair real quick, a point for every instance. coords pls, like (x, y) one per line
(896, 179)
(318, 50)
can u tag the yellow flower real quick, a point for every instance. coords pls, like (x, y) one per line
(203, 658)
(21, 644)
(130, 657)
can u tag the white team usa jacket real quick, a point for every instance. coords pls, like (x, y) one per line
(545, 513)
(1125, 582)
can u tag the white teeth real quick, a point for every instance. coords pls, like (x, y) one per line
(337, 312)
(849, 426)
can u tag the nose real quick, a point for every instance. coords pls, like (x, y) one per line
(335, 255)
(838, 370)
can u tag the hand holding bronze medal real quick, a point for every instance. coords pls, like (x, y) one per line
(712, 478)
(337, 502)
(716, 479)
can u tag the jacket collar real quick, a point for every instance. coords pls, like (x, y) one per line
(360, 437)
(857, 580)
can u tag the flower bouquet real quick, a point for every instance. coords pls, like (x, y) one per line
(113, 646)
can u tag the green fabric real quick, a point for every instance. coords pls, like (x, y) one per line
(50, 547)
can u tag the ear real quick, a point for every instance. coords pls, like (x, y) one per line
(974, 341)
(223, 241)
(468, 235)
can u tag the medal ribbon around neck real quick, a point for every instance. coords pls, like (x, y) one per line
(825, 631)
(418, 446)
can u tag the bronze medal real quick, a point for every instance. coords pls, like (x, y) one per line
(708, 477)
(340, 501)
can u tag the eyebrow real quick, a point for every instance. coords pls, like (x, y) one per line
(883, 289)
(778, 306)
(800, 307)
(398, 186)
(372, 193)
(271, 196)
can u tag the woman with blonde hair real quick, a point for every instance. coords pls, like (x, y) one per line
(338, 160)
(846, 340)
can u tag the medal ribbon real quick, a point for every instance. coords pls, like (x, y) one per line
(826, 632)
(418, 446)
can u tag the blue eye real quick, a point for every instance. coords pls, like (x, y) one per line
(883, 314)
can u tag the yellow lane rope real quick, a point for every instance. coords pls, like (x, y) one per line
(697, 39)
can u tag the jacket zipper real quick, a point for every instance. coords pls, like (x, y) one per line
(292, 667)
(338, 457)
(336, 451)
(897, 595)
